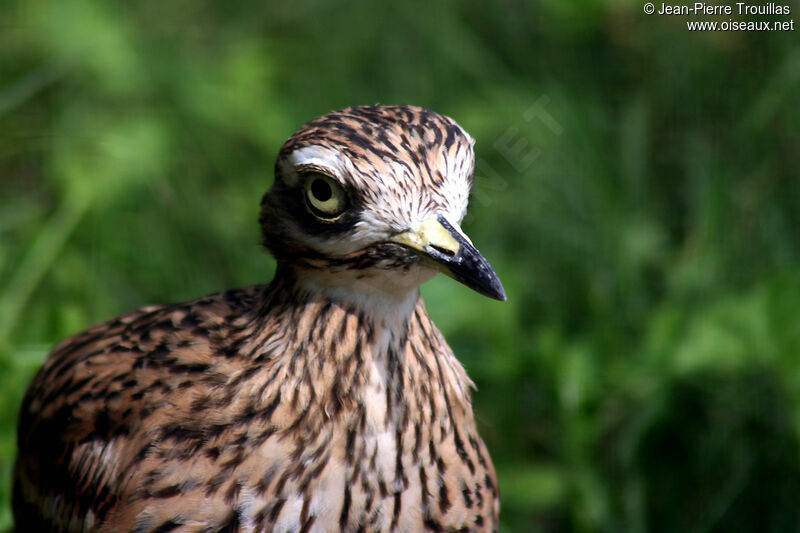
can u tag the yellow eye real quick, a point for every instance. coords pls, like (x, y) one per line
(324, 195)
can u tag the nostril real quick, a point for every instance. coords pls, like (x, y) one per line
(443, 251)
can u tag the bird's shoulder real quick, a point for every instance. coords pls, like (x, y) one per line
(102, 391)
(139, 354)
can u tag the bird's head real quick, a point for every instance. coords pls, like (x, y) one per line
(375, 195)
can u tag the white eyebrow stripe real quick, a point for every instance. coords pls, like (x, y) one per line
(315, 155)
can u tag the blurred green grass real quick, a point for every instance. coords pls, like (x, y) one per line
(637, 190)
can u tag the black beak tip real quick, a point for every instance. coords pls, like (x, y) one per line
(481, 278)
(469, 267)
(499, 294)
(491, 288)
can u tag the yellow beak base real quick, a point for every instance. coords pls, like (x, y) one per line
(452, 253)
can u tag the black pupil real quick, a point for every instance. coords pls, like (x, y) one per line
(321, 190)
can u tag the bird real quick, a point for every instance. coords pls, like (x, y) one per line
(324, 400)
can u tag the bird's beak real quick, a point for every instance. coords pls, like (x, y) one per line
(448, 250)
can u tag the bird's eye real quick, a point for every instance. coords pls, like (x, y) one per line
(324, 196)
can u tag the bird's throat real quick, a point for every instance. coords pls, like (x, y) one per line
(381, 298)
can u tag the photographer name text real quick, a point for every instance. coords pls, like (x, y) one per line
(739, 8)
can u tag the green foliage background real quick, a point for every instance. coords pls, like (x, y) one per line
(637, 191)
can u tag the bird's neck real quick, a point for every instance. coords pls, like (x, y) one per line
(345, 346)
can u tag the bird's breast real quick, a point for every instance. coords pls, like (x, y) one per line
(403, 454)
